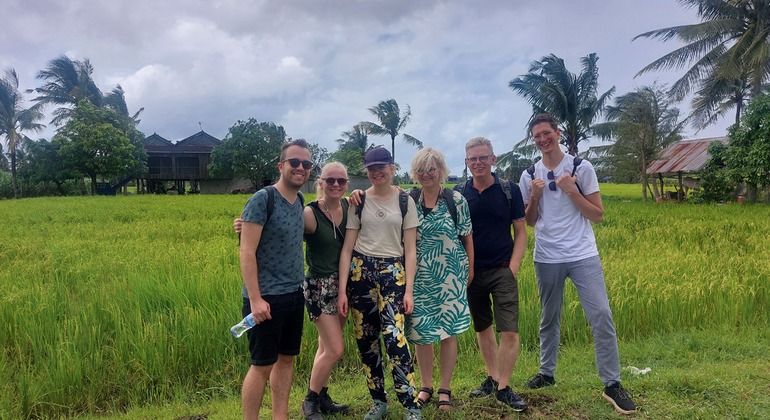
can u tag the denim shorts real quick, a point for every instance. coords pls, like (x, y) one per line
(280, 335)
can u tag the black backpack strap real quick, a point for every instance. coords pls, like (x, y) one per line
(575, 163)
(450, 204)
(415, 194)
(360, 207)
(270, 202)
(403, 203)
(301, 198)
(531, 172)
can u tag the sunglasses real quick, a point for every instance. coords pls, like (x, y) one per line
(306, 164)
(552, 184)
(340, 181)
(474, 159)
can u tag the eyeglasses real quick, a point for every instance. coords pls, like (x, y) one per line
(306, 164)
(552, 184)
(430, 171)
(340, 181)
(474, 159)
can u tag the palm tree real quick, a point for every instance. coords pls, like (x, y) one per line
(728, 51)
(642, 123)
(571, 99)
(14, 119)
(67, 82)
(355, 139)
(392, 121)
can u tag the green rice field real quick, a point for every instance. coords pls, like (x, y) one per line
(109, 303)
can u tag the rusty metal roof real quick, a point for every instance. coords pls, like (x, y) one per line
(686, 156)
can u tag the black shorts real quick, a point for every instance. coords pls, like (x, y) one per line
(501, 284)
(280, 335)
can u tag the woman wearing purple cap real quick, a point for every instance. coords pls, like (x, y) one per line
(378, 262)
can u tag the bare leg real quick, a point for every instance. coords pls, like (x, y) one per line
(280, 385)
(447, 360)
(424, 353)
(488, 348)
(330, 349)
(253, 391)
(506, 357)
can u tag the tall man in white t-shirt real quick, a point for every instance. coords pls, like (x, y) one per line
(562, 200)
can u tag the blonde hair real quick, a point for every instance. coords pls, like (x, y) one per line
(319, 186)
(429, 158)
(479, 141)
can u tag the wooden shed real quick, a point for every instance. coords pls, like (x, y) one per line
(683, 161)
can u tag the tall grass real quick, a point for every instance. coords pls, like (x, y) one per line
(111, 302)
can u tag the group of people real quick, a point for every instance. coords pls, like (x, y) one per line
(416, 268)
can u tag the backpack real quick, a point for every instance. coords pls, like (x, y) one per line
(504, 184)
(271, 204)
(271, 201)
(575, 163)
(403, 204)
(448, 198)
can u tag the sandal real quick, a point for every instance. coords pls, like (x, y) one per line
(445, 405)
(429, 391)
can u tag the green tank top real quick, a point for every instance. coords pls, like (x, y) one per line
(322, 248)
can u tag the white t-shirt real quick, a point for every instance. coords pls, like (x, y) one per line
(380, 235)
(562, 234)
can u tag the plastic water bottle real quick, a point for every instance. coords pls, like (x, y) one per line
(238, 329)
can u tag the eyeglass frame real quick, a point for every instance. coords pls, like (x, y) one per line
(339, 181)
(295, 163)
(474, 159)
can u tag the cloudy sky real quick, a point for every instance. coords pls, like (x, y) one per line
(316, 66)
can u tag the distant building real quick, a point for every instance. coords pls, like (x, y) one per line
(182, 163)
(684, 161)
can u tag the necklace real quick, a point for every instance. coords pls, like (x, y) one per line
(331, 216)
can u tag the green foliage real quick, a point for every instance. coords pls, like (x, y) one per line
(250, 150)
(571, 99)
(748, 154)
(641, 123)
(92, 143)
(14, 119)
(353, 159)
(715, 182)
(727, 52)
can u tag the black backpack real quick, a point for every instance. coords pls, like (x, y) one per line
(271, 201)
(448, 198)
(504, 184)
(403, 204)
(575, 163)
(271, 204)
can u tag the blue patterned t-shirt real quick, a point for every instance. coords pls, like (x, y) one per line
(280, 264)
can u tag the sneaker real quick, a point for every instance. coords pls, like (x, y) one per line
(413, 414)
(378, 411)
(328, 406)
(540, 381)
(619, 398)
(511, 399)
(311, 407)
(486, 388)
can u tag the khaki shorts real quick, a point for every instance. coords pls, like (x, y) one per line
(495, 290)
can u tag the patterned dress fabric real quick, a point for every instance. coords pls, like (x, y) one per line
(440, 300)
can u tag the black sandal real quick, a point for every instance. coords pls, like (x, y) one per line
(447, 404)
(429, 391)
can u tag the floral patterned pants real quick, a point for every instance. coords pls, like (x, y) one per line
(376, 294)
